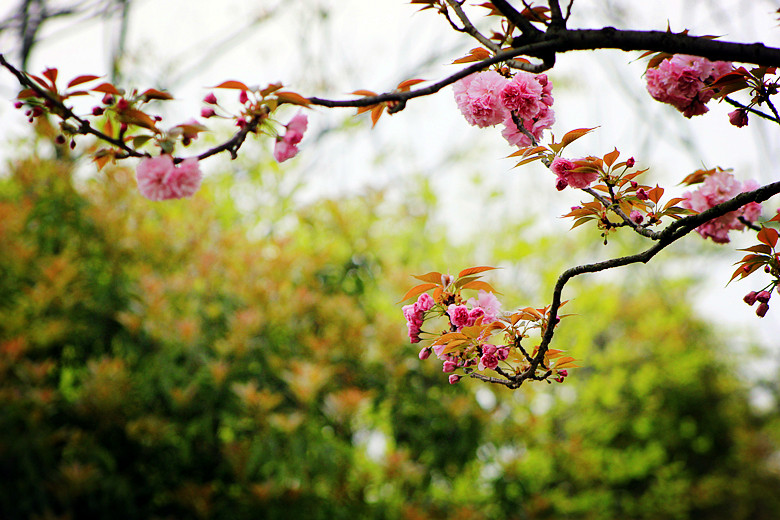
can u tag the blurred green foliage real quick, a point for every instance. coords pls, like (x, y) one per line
(190, 360)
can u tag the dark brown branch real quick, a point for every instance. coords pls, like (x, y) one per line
(752, 110)
(589, 39)
(85, 128)
(530, 33)
(670, 234)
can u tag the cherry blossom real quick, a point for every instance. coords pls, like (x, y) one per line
(160, 179)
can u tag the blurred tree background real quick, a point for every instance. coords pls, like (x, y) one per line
(241, 355)
(189, 359)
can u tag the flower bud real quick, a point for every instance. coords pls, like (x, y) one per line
(636, 217)
(454, 378)
(207, 112)
(211, 99)
(560, 184)
(242, 97)
(563, 373)
(630, 162)
(424, 354)
(122, 104)
(449, 366)
(18, 104)
(762, 310)
(97, 111)
(750, 298)
(763, 296)
(641, 194)
(60, 139)
(738, 118)
(108, 99)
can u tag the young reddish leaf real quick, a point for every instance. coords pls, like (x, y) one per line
(40, 81)
(107, 88)
(655, 194)
(404, 86)
(270, 89)
(475, 270)
(463, 281)
(292, 98)
(529, 160)
(743, 272)
(418, 289)
(758, 248)
(153, 93)
(135, 117)
(450, 336)
(575, 134)
(232, 84)
(376, 113)
(581, 221)
(536, 14)
(776, 218)
(453, 345)
(672, 202)
(768, 236)
(611, 157)
(528, 150)
(81, 79)
(27, 93)
(476, 54)
(51, 75)
(432, 277)
(102, 157)
(479, 284)
(697, 177)
(365, 93)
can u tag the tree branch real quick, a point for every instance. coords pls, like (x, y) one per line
(670, 234)
(587, 39)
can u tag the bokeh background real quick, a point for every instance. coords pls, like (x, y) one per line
(241, 354)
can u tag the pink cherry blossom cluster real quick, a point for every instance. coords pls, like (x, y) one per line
(564, 169)
(160, 179)
(286, 146)
(415, 315)
(488, 99)
(485, 306)
(682, 82)
(720, 187)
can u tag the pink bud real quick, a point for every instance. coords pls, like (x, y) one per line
(762, 310)
(738, 118)
(242, 97)
(97, 111)
(207, 112)
(641, 194)
(454, 378)
(630, 162)
(424, 354)
(560, 183)
(636, 217)
(122, 104)
(211, 99)
(18, 104)
(767, 269)
(108, 99)
(634, 184)
(763, 296)
(60, 139)
(563, 373)
(449, 366)
(750, 298)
